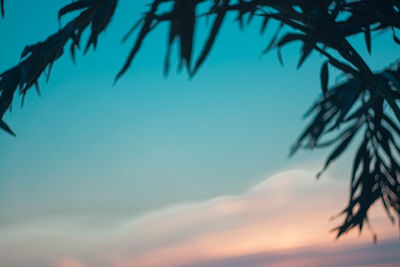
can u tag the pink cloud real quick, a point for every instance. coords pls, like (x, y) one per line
(288, 210)
(69, 262)
(281, 216)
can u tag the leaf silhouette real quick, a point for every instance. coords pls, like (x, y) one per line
(367, 35)
(211, 37)
(264, 24)
(305, 53)
(6, 128)
(324, 78)
(146, 28)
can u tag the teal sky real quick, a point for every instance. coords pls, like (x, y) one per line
(87, 147)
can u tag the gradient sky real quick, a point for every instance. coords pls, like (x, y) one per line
(97, 153)
(278, 222)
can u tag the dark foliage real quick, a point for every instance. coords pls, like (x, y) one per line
(363, 103)
(35, 59)
(2, 7)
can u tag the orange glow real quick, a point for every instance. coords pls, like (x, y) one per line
(266, 219)
(69, 262)
(285, 220)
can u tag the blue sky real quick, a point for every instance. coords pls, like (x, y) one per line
(148, 139)
(88, 147)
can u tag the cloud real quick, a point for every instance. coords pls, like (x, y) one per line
(69, 262)
(285, 218)
(384, 254)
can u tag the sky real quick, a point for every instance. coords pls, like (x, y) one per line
(90, 154)
(274, 223)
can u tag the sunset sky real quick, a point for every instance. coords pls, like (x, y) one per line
(171, 171)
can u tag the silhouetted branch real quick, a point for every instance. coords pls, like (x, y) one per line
(35, 59)
(356, 107)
